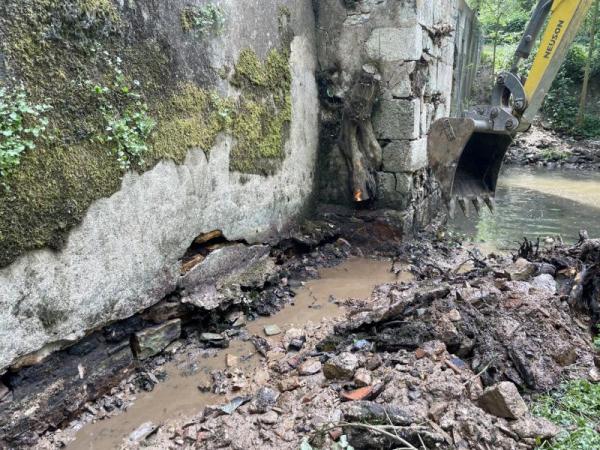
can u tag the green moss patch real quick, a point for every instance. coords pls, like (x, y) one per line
(117, 100)
(265, 112)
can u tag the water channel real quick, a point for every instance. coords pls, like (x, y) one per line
(536, 203)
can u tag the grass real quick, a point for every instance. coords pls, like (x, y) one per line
(575, 407)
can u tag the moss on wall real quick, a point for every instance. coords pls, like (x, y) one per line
(261, 126)
(87, 57)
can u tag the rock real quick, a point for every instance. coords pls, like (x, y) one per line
(261, 344)
(454, 316)
(530, 427)
(234, 404)
(294, 339)
(152, 341)
(362, 345)
(309, 367)
(231, 360)
(341, 366)
(264, 400)
(211, 337)
(269, 418)
(272, 330)
(545, 268)
(545, 283)
(437, 410)
(289, 384)
(4, 391)
(371, 412)
(521, 270)
(236, 319)
(142, 433)
(362, 378)
(357, 394)
(296, 344)
(374, 362)
(503, 400)
(215, 340)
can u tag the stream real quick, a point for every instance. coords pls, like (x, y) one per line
(179, 395)
(532, 202)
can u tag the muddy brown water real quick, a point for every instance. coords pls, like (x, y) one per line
(179, 395)
(536, 203)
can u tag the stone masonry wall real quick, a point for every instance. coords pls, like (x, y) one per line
(413, 44)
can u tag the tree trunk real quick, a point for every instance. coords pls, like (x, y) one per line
(357, 141)
(588, 66)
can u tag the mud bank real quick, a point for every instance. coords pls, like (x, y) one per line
(447, 357)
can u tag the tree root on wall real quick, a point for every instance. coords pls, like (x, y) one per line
(357, 139)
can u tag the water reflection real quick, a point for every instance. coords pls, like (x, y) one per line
(534, 202)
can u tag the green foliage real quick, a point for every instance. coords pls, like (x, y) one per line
(576, 408)
(128, 125)
(562, 104)
(128, 133)
(21, 123)
(553, 154)
(203, 20)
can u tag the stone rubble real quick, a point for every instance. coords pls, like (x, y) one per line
(449, 360)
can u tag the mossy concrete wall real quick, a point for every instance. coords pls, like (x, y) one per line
(91, 231)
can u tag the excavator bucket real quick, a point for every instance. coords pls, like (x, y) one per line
(465, 157)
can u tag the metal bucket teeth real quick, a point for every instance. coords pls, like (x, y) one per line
(491, 203)
(464, 205)
(477, 203)
(452, 208)
(466, 159)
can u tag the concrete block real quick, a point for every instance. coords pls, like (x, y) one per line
(395, 44)
(405, 156)
(404, 184)
(427, 116)
(386, 185)
(425, 12)
(396, 76)
(397, 119)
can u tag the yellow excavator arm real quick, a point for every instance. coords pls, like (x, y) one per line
(566, 19)
(466, 154)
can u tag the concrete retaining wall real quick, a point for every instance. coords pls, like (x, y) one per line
(125, 254)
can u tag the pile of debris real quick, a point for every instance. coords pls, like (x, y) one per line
(541, 148)
(449, 360)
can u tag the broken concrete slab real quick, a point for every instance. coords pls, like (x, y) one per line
(504, 400)
(151, 341)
